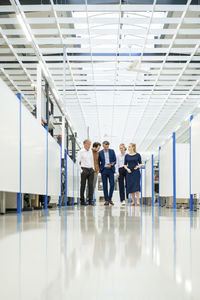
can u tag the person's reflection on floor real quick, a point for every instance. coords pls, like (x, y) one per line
(122, 221)
(88, 232)
(133, 245)
(105, 241)
(87, 220)
(122, 235)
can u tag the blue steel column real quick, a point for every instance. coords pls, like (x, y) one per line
(19, 195)
(159, 198)
(65, 178)
(190, 170)
(60, 197)
(152, 178)
(174, 170)
(47, 168)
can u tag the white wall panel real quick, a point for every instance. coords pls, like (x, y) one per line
(195, 157)
(69, 177)
(166, 170)
(9, 139)
(148, 179)
(43, 105)
(182, 171)
(33, 150)
(75, 181)
(33, 155)
(78, 181)
(54, 159)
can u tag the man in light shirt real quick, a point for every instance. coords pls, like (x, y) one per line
(95, 149)
(86, 165)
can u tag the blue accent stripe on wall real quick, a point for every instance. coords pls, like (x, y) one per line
(145, 198)
(19, 195)
(174, 170)
(47, 168)
(152, 178)
(190, 170)
(60, 197)
(159, 198)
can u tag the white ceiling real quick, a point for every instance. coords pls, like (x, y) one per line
(132, 72)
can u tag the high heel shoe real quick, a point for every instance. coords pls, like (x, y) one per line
(132, 204)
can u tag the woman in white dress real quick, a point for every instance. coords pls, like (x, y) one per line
(121, 173)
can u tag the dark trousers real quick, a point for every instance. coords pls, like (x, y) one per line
(122, 183)
(107, 174)
(87, 175)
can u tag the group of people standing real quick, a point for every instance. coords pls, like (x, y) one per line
(125, 165)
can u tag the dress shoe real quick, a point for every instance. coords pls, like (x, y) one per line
(84, 203)
(106, 203)
(111, 202)
(92, 203)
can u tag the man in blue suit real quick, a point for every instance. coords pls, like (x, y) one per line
(107, 161)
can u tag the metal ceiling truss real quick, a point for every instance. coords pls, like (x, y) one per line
(102, 42)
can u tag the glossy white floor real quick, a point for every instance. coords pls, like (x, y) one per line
(100, 253)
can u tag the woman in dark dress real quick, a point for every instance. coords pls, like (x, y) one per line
(132, 164)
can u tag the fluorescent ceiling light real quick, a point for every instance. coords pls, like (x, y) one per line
(19, 17)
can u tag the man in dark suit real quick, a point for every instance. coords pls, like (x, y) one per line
(107, 161)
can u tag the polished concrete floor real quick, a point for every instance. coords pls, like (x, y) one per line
(100, 253)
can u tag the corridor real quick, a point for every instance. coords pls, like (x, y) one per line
(100, 253)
